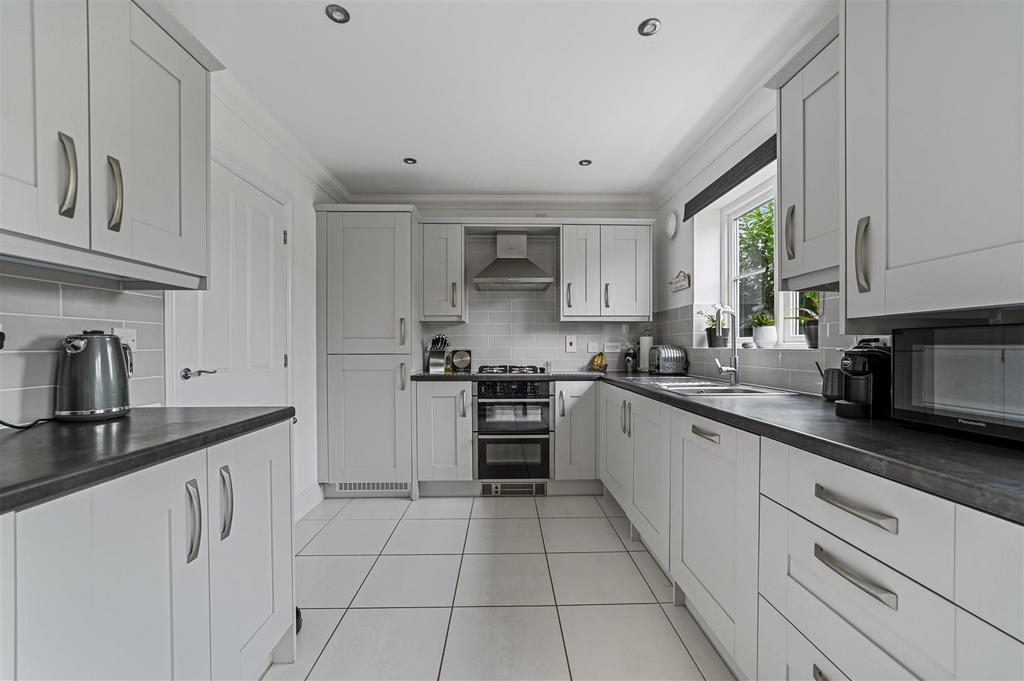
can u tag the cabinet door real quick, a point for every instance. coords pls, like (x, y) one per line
(617, 459)
(581, 270)
(649, 430)
(370, 419)
(576, 430)
(108, 573)
(810, 170)
(444, 430)
(249, 526)
(149, 106)
(369, 287)
(44, 86)
(443, 294)
(625, 271)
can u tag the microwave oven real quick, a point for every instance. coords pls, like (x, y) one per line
(969, 378)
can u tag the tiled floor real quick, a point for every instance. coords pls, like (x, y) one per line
(463, 588)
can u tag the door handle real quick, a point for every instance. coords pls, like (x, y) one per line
(863, 285)
(568, 294)
(187, 373)
(790, 248)
(196, 538)
(622, 417)
(706, 434)
(561, 400)
(402, 374)
(886, 522)
(114, 225)
(67, 206)
(462, 401)
(401, 330)
(880, 594)
(228, 485)
(607, 290)
(629, 420)
(454, 294)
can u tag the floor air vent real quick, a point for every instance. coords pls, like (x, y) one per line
(514, 489)
(373, 487)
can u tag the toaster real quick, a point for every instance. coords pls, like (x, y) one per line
(668, 359)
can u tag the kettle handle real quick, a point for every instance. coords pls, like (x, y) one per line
(128, 358)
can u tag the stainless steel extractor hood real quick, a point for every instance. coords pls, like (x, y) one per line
(512, 270)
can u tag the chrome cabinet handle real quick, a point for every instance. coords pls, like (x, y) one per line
(706, 434)
(67, 206)
(817, 674)
(880, 594)
(187, 373)
(454, 294)
(402, 374)
(790, 248)
(568, 294)
(561, 400)
(196, 538)
(629, 420)
(228, 485)
(116, 214)
(607, 290)
(622, 417)
(401, 330)
(886, 522)
(863, 285)
(462, 401)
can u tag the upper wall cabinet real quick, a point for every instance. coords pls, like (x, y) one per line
(443, 273)
(606, 272)
(810, 171)
(934, 181)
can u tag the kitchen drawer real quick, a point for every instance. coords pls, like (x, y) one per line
(908, 529)
(707, 433)
(984, 652)
(784, 653)
(870, 620)
(990, 569)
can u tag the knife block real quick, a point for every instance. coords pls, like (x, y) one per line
(435, 361)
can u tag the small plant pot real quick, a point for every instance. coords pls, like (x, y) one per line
(765, 336)
(811, 333)
(714, 339)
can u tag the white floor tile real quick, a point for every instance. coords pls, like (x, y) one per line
(326, 509)
(504, 579)
(499, 507)
(409, 582)
(610, 506)
(453, 507)
(385, 644)
(621, 526)
(428, 536)
(704, 654)
(329, 581)
(656, 579)
(317, 627)
(597, 578)
(343, 537)
(504, 535)
(504, 643)
(303, 531)
(374, 508)
(569, 507)
(624, 642)
(579, 534)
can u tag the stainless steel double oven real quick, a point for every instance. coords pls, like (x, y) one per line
(513, 430)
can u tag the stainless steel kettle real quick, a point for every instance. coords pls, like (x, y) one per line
(92, 378)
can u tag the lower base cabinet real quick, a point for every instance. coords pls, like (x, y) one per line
(444, 430)
(649, 430)
(784, 653)
(575, 430)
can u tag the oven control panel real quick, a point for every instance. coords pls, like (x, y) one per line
(513, 389)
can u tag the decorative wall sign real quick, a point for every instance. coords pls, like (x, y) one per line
(680, 282)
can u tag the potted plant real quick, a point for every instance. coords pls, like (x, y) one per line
(715, 339)
(765, 335)
(810, 316)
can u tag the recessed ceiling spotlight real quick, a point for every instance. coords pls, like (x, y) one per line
(585, 162)
(338, 14)
(409, 161)
(648, 27)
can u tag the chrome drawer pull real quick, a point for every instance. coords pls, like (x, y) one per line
(629, 420)
(228, 486)
(706, 434)
(454, 294)
(863, 285)
(462, 401)
(622, 417)
(886, 522)
(568, 294)
(196, 540)
(117, 212)
(880, 594)
(788, 234)
(561, 400)
(817, 674)
(607, 293)
(67, 206)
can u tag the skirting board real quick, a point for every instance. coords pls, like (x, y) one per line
(471, 488)
(306, 500)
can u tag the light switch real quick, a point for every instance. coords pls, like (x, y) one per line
(570, 343)
(613, 347)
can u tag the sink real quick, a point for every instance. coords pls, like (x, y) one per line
(702, 387)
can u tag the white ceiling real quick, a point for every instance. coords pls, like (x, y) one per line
(497, 96)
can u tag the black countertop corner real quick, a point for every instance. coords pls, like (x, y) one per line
(58, 458)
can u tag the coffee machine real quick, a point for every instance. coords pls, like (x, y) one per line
(867, 378)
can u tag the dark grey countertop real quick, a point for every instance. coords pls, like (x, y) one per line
(553, 376)
(985, 475)
(58, 458)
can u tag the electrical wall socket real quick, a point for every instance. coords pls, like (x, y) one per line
(593, 346)
(613, 347)
(128, 337)
(570, 343)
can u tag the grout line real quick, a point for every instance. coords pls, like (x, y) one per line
(455, 593)
(554, 595)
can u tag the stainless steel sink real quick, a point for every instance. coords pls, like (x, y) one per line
(703, 387)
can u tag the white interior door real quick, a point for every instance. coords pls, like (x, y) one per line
(239, 327)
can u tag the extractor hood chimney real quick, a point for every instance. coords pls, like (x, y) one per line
(512, 270)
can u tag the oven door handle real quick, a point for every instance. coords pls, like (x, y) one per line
(510, 400)
(544, 436)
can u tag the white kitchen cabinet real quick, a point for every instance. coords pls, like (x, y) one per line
(616, 449)
(989, 569)
(369, 412)
(934, 183)
(113, 581)
(714, 547)
(44, 86)
(576, 430)
(369, 283)
(625, 271)
(8, 638)
(249, 525)
(444, 295)
(810, 173)
(784, 653)
(649, 430)
(149, 138)
(581, 271)
(444, 430)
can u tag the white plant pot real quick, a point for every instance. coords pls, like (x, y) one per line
(765, 336)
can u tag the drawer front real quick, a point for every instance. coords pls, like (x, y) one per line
(990, 569)
(711, 434)
(984, 652)
(910, 530)
(784, 653)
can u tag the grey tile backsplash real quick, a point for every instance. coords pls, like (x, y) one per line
(37, 312)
